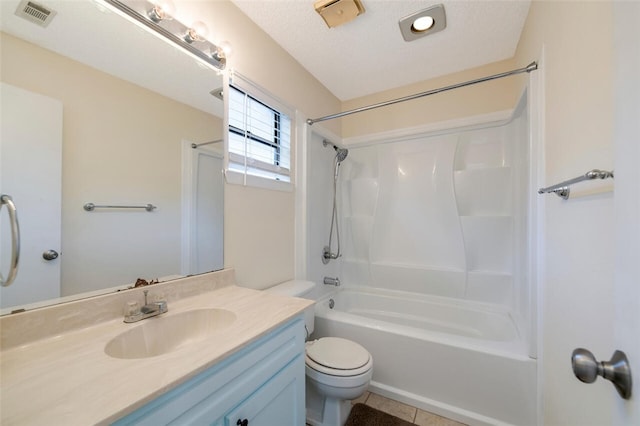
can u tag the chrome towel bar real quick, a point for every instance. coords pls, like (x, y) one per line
(91, 207)
(562, 189)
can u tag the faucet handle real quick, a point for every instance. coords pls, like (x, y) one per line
(162, 306)
(131, 308)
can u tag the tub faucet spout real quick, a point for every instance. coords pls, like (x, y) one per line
(332, 281)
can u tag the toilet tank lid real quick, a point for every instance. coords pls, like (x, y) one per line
(294, 288)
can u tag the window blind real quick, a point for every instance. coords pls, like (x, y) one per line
(259, 139)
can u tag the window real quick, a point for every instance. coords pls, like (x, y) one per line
(259, 139)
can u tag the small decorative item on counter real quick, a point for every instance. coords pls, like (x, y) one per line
(141, 282)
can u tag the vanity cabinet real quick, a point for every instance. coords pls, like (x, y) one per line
(262, 384)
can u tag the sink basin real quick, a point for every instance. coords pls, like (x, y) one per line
(162, 334)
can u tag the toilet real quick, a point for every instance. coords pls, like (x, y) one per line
(337, 370)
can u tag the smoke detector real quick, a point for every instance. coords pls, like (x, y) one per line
(34, 12)
(338, 12)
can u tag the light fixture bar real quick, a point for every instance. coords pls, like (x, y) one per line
(175, 31)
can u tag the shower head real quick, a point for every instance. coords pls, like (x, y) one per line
(341, 154)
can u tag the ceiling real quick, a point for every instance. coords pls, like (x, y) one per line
(369, 55)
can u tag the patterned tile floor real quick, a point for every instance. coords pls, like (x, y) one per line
(404, 411)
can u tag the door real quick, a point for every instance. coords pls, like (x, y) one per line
(614, 308)
(276, 403)
(627, 201)
(30, 171)
(203, 209)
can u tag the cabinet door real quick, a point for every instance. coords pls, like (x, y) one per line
(204, 399)
(280, 401)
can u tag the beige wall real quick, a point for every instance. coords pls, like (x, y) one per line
(577, 288)
(121, 144)
(259, 224)
(478, 99)
(258, 57)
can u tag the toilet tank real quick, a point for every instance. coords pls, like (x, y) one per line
(297, 288)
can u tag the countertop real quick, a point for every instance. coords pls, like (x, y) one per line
(68, 379)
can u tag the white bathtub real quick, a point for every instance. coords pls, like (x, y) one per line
(466, 361)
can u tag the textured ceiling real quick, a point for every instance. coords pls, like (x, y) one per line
(369, 55)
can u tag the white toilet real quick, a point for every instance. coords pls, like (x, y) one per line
(338, 370)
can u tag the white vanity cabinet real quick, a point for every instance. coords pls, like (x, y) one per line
(262, 384)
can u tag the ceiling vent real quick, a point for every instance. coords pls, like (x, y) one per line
(34, 12)
(338, 12)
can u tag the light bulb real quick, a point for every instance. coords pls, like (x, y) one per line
(198, 31)
(422, 24)
(162, 9)
(226, 48)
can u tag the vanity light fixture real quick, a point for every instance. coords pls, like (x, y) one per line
(157, 17)
(422, 23)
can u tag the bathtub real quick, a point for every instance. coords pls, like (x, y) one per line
(463, 360)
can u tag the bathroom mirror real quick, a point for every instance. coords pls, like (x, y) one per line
(126, 108)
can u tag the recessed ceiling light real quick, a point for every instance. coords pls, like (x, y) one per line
(422, 23)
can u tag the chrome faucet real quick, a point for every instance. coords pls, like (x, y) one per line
(135, 314)
(332, 281)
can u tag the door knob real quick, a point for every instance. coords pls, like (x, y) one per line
(50, 255)
(617, 370)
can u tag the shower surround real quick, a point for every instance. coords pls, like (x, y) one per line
(440, 218)
(439, 215)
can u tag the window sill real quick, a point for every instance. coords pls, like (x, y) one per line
(236, 178)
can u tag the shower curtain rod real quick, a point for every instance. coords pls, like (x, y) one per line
(195, 145)
(531, 67)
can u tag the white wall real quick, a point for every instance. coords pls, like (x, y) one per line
(319, 205)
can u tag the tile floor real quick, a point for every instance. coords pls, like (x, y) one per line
(404, 411)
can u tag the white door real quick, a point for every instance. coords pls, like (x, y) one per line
(208, 212)
(203, 210)
(30, 172)
(599, 403)
(627, 200)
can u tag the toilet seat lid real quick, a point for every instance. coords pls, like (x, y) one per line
(337, 353)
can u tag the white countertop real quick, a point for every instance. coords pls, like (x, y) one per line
(69, 380)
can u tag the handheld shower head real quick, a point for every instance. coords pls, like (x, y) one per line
(341, 154)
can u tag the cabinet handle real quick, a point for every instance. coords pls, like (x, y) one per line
(244, 422)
